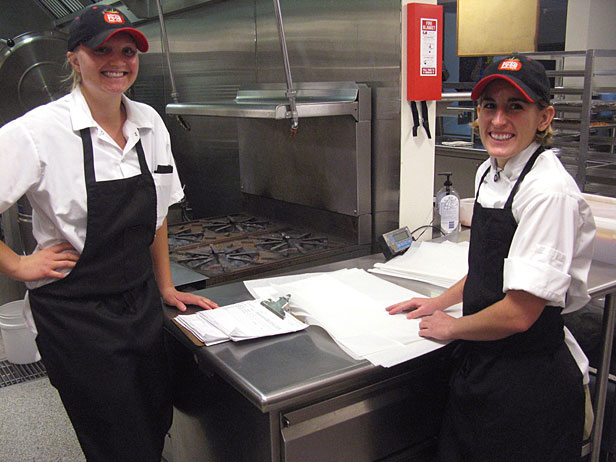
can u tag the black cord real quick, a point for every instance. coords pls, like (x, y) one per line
(424, 227)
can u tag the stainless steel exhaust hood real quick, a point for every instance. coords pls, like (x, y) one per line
(63, 8)
(146, 9)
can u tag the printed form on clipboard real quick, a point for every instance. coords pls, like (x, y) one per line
(240, 321)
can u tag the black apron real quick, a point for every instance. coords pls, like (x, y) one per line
(519, 399)
(100, 329)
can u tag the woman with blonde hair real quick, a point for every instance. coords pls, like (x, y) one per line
(99, 173)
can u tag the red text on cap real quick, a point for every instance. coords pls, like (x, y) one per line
(510, 65)
(113, 17)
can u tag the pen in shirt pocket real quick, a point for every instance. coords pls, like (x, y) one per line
(164, 169)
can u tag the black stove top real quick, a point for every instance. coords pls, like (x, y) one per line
(235, 246)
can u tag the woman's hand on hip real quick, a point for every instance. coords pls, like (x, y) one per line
(46, 263)
(173, 297)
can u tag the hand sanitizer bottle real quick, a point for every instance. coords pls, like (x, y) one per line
(448, 206)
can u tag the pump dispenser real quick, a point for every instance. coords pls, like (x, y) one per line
(448, 206)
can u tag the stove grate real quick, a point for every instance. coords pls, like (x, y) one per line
(11, 374)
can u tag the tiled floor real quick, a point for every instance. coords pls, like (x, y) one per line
(33, 423)
(34, 426)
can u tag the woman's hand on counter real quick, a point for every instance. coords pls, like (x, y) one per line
(434, 323)
(44, 263)
(417, 307)
(438, 326)
(174, 297)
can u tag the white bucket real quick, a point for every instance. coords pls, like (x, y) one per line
(18, 340)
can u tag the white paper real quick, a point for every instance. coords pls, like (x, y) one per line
(250, 319)
(350, 305)
(442, 264)
(266, 288)
(201, 328)
(240, 321)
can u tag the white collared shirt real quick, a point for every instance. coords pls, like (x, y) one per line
(552, 249)
(41, 154)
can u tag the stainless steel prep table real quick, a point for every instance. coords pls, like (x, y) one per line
(602, 283)
(299, 397)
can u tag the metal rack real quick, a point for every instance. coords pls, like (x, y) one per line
(585, 121)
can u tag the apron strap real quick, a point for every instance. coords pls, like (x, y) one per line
(88, 157)
(141, 155)
(483, 177)
(525, 171)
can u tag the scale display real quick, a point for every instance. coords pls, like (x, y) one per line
(396, 242)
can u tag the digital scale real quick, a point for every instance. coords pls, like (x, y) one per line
(396, 242)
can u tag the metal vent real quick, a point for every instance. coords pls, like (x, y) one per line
(62, 8)
(11, 374)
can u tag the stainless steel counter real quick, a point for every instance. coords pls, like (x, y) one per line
(303, 381)
(602, 283)
(279, 371)
(290, 374)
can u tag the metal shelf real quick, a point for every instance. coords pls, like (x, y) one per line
(269, 101)
(585, 125)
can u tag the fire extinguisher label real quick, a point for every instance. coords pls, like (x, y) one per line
(428, 48)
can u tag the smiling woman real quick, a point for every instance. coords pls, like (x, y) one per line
(507, 121)
(106, 72)
(99, 173)
(111, 67)
(530, 250)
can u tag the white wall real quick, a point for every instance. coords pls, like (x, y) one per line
(591, 24)
(416, 153)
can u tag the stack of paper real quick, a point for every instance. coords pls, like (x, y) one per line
(442, 264)
(240, 321)
(350, 305)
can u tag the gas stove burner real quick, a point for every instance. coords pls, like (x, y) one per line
(217, 229)
(237, 246)
(236, 224)
(289, 243)
(215, 259)
(184, 236)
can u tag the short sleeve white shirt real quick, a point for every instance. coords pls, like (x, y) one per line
(552, 248)
(41, 154)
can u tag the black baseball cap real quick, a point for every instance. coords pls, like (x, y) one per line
(524, 73)
(97, 24)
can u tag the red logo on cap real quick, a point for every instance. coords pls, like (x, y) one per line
(113, 17)
(510, 65)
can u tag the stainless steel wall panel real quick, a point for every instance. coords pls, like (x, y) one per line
(212, 54)
(328, 40)
(208, 164)
(217, 47)
(317, 168)
(386, 175)
(212, 51)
